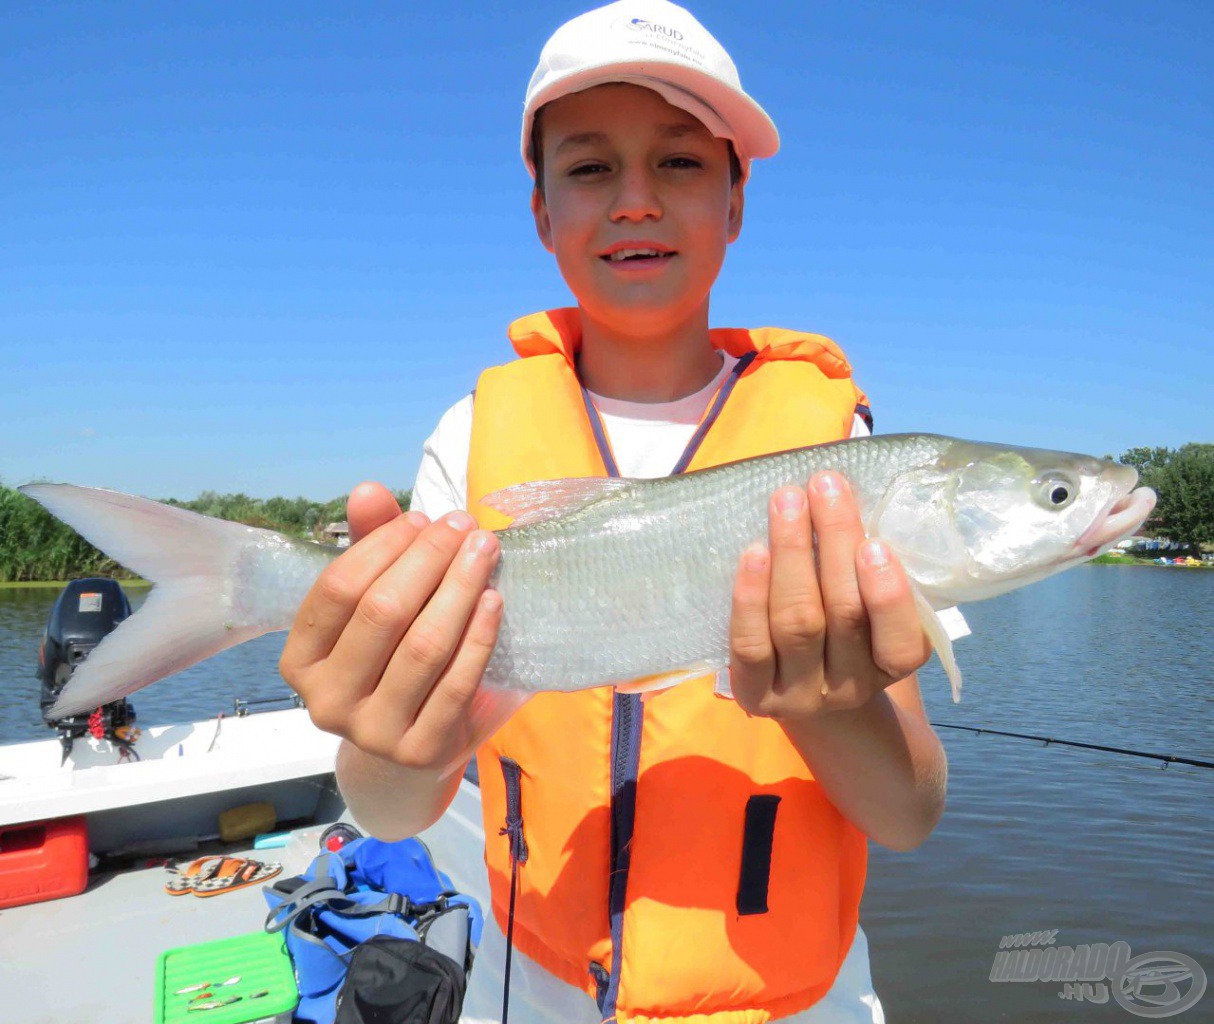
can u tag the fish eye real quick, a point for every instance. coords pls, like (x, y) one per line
(1055, 491)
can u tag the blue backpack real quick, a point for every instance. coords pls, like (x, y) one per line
(365, 890)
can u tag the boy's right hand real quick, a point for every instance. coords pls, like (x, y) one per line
(390, 644)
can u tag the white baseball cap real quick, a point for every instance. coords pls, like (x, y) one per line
(658, 45)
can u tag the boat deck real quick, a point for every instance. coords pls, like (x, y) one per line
(92, 957)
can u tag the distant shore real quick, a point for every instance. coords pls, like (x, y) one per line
(51, 584)
(1108, 558)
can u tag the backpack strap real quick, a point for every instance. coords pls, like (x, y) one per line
(324, 893)
(446, 926)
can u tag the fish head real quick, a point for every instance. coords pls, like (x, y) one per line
(983, 519)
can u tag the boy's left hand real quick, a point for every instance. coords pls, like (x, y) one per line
(806, 637)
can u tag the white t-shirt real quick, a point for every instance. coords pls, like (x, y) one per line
(647, 439)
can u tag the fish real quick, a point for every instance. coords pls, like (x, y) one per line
(618, 581)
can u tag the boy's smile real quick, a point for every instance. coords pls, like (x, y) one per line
(637, 206)
(634, 255)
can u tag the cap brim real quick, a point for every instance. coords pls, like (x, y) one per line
(750, 129)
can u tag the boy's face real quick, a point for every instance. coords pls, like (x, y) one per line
(624, 168)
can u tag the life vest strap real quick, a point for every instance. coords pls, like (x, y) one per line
(514, 810)
(757, 836)
(710, 418)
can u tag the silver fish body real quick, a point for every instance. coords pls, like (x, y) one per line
(604, 581)
(638, 581)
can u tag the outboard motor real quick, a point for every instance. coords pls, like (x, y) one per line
(84, 613)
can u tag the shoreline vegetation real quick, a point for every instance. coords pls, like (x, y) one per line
(1120, 558)
(1108, 558)
(134, 583)
(37, 550)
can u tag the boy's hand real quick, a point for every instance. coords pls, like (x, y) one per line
(808, 639)
(390, 644)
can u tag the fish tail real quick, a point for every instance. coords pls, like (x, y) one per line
(188, 617)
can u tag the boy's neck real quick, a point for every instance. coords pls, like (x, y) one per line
(649, 367)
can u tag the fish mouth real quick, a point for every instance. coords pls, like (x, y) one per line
(1123, 518)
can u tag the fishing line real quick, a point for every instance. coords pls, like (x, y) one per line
(1167, 759)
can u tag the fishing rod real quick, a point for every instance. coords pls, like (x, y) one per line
(1167, 759)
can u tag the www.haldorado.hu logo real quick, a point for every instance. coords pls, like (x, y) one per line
(1158, 984)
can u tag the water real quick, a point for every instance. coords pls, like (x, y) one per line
(249, 671)
(1101, 847)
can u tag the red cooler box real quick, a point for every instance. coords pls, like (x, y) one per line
(43, 860)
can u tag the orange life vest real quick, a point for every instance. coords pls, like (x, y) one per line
(677, 859)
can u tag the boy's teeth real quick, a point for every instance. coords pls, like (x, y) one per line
(623, 254)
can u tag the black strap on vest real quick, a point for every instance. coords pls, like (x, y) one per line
(757, 837)
(513, 828)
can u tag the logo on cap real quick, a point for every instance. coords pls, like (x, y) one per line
(641, 25)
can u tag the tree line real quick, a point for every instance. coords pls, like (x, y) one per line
(1184, 480)
(34, 545)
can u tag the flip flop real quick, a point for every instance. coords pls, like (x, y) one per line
(234, 873)
(182, 880)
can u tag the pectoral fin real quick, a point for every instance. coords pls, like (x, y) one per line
(940, 635)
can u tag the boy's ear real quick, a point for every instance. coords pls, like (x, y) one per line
(543, 224)
(737, 200)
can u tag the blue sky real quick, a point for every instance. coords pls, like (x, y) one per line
(263, 247)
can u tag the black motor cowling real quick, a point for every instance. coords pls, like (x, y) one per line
(84, 613)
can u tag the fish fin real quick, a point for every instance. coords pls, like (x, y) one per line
(723, 687)
(540, 500)
(491, 709)
(652, 684)
(186, 618)
(940, 635)
(954, 622)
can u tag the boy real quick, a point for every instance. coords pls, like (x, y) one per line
(702, 854)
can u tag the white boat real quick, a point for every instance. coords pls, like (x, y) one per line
(92, 957)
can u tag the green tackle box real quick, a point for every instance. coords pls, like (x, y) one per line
(266, 985)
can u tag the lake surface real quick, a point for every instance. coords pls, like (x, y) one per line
(249, 671)
(1099, 846)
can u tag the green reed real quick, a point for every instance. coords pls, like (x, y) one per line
(34, 545)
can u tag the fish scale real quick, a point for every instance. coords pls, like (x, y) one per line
(639, 582)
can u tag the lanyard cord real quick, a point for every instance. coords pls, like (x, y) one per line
(512, 774)
(509, 939)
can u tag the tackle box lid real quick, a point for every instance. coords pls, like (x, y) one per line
(260, 962)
